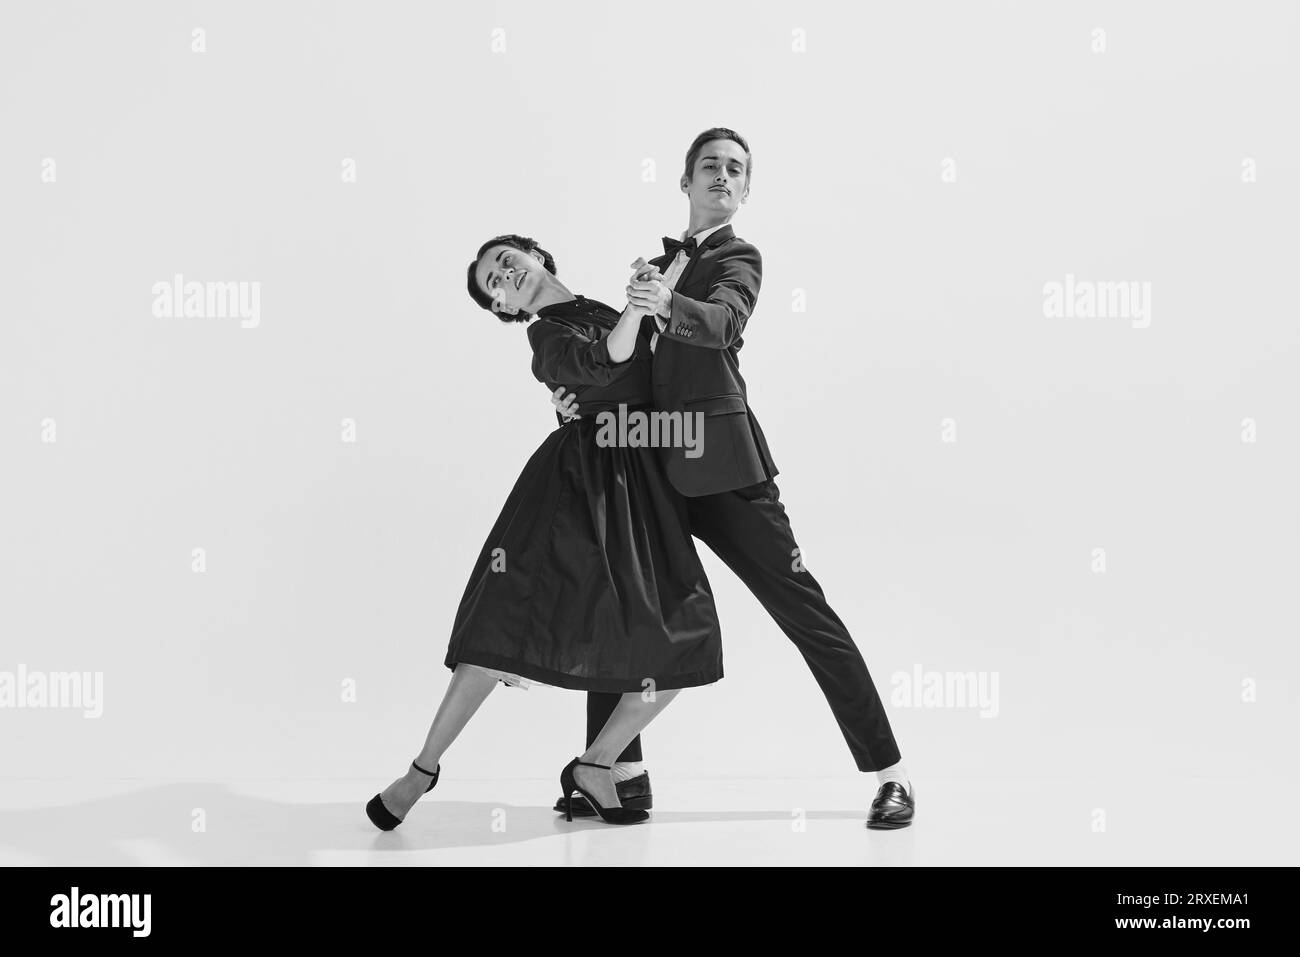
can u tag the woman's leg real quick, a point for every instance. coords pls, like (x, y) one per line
(629, 719)
(469, 688)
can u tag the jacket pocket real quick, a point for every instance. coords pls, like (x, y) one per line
(717, 404)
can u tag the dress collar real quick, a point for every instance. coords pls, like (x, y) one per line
(579, 303)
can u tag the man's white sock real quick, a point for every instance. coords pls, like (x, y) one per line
(624, 770)
(895, 772)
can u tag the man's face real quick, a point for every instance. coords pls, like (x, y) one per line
(511, 277)
(720, 179)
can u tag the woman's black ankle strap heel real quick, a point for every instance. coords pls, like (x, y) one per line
(385, 819)
(610, 815)
(437, 769)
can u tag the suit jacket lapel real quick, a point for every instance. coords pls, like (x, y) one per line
(715, 238)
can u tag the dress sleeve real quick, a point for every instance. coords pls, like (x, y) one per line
(564, 355)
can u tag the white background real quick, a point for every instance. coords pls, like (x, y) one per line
(329, 561)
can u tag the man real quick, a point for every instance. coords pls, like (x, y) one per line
(701, 293)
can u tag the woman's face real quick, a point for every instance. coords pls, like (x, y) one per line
(512, 277)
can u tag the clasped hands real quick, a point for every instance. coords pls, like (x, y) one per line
(647, 291)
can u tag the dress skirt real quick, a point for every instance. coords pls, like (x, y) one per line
(590, 579)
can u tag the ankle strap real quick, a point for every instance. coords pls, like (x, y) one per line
(432, 774)
(588, 764)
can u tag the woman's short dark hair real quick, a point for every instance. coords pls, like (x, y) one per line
(524, 245)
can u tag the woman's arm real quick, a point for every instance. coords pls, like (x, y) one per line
(622, 338)
(563, 354)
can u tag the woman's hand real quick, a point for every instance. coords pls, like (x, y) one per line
(642, 271)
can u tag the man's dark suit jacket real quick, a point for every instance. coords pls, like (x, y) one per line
(696, 367)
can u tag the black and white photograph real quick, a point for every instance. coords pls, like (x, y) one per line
(697, 434)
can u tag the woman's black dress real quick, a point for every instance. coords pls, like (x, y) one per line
(589, 579)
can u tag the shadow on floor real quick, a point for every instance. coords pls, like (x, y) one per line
(155, 826)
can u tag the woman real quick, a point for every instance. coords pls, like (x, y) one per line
(589, 579)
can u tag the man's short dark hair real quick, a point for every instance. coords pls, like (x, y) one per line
(524, 245)
(717, 133)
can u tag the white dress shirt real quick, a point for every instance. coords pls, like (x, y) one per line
(674, 271)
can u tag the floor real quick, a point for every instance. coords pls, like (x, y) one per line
(697, 822)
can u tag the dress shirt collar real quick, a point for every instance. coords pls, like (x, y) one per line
(703, 234)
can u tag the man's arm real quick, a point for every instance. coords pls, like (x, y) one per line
(717, 321)
(566, 408)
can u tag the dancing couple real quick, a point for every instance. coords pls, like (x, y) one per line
(589, 579)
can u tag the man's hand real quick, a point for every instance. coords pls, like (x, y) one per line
(643, 271)
(652, 295)
(568, 407)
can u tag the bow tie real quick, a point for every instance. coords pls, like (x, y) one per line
(673, 246)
